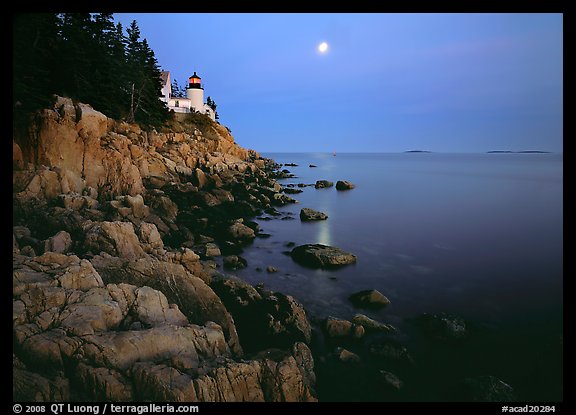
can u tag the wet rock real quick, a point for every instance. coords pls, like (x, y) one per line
(290, 191)
(234, 262)
(443, 326)
(280, 199)
(239, 231)
(344, 185)
(264, 319)
(390, 350)
(270, 269)
(307, 214)
(338, 328)
(323, 184)
(212, 250)
(487, 389)
(372, 325)
(369, 299)
(358, 331)
(347, 356)
(390, 380)
(321, 256)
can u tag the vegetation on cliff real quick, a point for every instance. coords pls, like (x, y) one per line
(88, 58)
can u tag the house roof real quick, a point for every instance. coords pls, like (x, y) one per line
(164, 75)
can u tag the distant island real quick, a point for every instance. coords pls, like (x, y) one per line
(417, 151)
(525, 151)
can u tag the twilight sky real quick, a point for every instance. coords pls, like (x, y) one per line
(388, 82)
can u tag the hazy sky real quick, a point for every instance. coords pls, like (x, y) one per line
(388, 82)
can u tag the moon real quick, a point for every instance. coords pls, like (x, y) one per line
(323, 47)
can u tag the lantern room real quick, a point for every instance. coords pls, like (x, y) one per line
(194, 82)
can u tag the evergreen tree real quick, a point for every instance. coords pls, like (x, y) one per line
(35, 41)
(87, 58)
(177, 90)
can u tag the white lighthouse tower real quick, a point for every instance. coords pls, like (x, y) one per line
(195, 93)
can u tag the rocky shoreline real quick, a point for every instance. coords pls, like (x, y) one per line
(116, 294)
(125, 244)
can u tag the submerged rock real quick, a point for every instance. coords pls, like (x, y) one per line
(443, 326)
(307, 214)
(321, 256)
(391, 351)
(390, 380)
(371, 299)
(487, 389)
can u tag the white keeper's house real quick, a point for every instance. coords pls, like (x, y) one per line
(194, 100)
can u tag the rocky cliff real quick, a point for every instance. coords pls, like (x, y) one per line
(115, 293)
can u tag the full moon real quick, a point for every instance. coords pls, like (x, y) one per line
(323, 47)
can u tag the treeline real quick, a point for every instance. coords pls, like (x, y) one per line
(88, 58)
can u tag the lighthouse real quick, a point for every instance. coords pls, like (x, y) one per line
(195, 93)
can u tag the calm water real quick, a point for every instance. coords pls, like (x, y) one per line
(476, 235)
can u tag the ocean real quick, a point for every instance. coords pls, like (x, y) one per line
(478, 236)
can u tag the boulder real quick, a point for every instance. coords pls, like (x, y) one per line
(321, 256)
(212, 250)
(139, 210)
(61, 243)
(370, 299)
(149, 235)
(275, 377)
(344, 185)
(442, 326)
(322, 184)
(151, 307)
(239, 231)
(263, 319)
(338, 328)
(372, 325)
(114, 238)
(193, 297)
(347, 356)
(234, 262)
(307, 214)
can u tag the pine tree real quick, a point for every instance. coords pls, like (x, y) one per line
(87, 58)
(34, 46)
